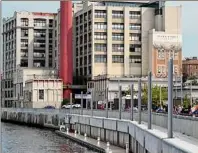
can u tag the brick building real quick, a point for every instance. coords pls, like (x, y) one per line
(190, 66)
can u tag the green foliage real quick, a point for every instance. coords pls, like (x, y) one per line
(194, 82)
(186, 102)
(192, 78)
(155, 94)
(65, 102)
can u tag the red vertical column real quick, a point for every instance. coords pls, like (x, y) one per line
(66, 55)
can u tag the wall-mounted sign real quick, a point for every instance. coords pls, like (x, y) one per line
(169, 38)
(85, 96)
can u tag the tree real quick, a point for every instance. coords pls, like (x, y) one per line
(155, 95)
(65, 102)
(186, 102)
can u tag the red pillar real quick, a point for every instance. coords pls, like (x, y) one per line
(66, 54)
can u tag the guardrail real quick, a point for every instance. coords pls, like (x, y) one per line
(179, 122)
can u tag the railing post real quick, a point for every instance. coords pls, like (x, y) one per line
(132, 101)
(127, 147)
(149, 100)
(70, 104)
(170, 99)
(139, 100)
(107, 91)
(92, 94)
(81, 103)
(120, 102)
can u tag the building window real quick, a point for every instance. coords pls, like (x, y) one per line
(135, 37)
(118, 48)
(161, 54)
(24, 42)
(41, 94)
(161, 69)
(24, 32)
(175, 69)
(134, 14)
(117, 14)
(176, 54)
(100, 36)
(100, 26)
(118, 36)
(133, 26)
(118, 58)
(100, 58)
(135, 48)
(118, 26)
(101, 47)
(135, 59)
(39, 22)
(100, 14)
(24, 22)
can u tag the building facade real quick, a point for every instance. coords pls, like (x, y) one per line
(121, 38)
(190, 66)
(27, 42)
(40, 93)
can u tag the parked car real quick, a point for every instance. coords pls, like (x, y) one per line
(49, 107)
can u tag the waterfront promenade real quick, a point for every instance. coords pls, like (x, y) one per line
(117, 131)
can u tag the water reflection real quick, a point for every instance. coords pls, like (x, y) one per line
(20, 139)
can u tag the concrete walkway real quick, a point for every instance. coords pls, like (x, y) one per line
(91, 143)
(178, 135)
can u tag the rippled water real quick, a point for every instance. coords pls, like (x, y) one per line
(20, 139)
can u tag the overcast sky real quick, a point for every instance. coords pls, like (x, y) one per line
(189, 18)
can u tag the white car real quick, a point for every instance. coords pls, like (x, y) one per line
(76, 106)
(67, 106)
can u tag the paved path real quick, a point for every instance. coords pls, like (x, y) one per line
(90, 142)
(178, 135)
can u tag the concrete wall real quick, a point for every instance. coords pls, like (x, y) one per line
(185, 125)
(117, 132)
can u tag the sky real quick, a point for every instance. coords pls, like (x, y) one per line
(189, 18)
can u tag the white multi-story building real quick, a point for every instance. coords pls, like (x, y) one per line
(27, 42)
(126, 39)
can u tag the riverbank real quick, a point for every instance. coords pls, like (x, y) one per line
(26, 139)
(89, 143)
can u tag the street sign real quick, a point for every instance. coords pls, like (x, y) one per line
(85, 96)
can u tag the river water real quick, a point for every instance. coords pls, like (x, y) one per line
(21, 139)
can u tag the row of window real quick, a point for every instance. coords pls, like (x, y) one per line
(163, 69)
(117, 59)
(117, 14)
(117, 36)
(116, 26)
(162, 54)
(118, 47)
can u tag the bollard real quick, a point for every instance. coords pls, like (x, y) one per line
(108, 147)
(127, 147)
(98, 141)
(67, 130)
(85, 135)
(75, 132)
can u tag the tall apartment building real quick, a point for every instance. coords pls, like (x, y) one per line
(27, 42)
(126, 39)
